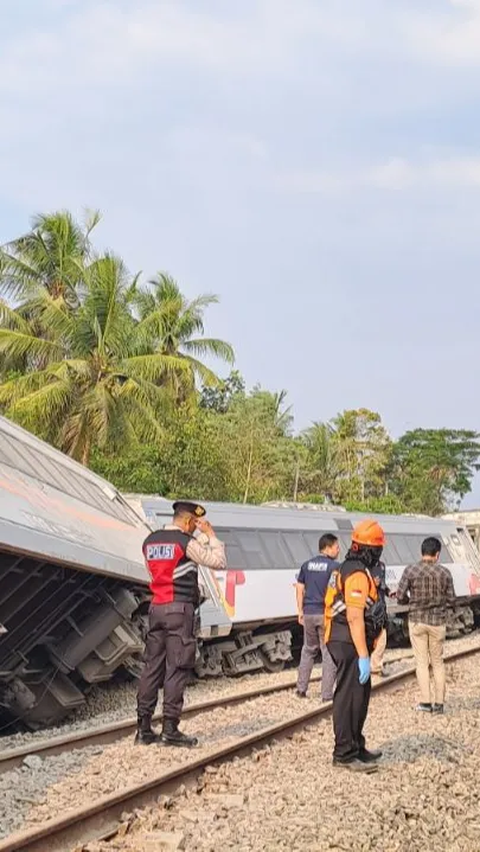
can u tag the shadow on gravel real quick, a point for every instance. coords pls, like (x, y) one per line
(409, 748)
(455, 704)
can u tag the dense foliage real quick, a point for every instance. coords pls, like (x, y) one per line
(113, 372)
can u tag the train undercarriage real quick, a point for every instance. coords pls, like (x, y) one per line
(66, 630)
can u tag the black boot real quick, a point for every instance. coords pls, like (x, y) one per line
(145, 735)
(367, 756)
(172, 736)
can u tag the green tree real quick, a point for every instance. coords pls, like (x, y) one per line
(219, 397)
(362, 451)
(96, 386)
(320, 469)
(49, 259)
(262, 454)
(189, 460)
(169, 325)
(433, 468)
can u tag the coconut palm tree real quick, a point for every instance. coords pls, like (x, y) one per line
(48, 260)
(320, 441)
(174, 328)
(90, 381)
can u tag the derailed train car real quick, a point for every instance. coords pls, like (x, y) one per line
(265, 547)
(73, 584)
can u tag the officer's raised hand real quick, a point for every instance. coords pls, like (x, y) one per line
(205, 527)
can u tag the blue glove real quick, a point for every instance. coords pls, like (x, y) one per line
(364, 669)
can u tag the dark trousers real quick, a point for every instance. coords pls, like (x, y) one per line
(169, 657)
(350, 702)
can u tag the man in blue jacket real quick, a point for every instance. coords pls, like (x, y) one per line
(312, 584)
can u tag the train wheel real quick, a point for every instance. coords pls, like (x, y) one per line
(270, 665)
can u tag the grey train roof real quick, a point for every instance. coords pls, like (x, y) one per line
(54, 508)
(287, 516)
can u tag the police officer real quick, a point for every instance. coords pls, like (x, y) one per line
(352, 624)
(172, 556)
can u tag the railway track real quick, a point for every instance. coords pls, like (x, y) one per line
(100, 819)
(105, 734)
(101, 735)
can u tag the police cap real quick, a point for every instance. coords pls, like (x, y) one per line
(192, 508)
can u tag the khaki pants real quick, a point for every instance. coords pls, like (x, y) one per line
(427, 643)
(376, 660)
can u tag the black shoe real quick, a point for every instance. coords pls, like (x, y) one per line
(356, 765)
(173, 737)
(300, 694)
(367, 756)
(145, 735)
(437, 708)
(147, 738)
(424, 708)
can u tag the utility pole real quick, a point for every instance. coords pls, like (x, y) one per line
(297, 477)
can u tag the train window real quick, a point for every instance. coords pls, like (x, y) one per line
(276, 549)
(252, 548)
(403, 546)
(312, 539)
(236, 557)
(445, 555)
(297, 546)
(345, 541)
(390, 553)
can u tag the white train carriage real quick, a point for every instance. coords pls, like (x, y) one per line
(266, 546)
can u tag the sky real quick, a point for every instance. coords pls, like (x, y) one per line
(315, 163)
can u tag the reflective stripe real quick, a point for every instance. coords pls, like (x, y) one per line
(184, 569)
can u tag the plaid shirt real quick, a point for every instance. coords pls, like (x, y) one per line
(428, 588)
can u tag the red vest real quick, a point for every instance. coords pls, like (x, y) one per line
(174, 577)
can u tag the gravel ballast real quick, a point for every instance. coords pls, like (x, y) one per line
(113, 702)
(41, 789)
(288, 796)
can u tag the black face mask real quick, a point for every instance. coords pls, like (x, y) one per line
(370, 556)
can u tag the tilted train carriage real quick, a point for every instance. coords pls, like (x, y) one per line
(74, 589)
(265, 547)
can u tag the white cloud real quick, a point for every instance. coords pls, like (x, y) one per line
(394, 174)
(450, 37)
(108, 42)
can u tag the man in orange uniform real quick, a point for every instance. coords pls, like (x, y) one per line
(352, 625)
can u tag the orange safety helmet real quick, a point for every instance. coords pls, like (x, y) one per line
(369, 533)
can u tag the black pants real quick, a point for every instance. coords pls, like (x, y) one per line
(169, 657)
(350, 702)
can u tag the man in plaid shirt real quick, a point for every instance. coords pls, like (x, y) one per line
(428, 588)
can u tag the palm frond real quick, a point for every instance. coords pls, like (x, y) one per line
(91, 220)
(211, 346)
(206, 376)
(43, 407)
(22, 386)
(11, 318)
(53, 315)
(156, 367)
(16, 344)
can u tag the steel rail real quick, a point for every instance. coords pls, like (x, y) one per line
(105, 734)
(100, 820)
(113, 731)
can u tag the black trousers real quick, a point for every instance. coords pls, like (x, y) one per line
(350, 702)
(169, 657)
